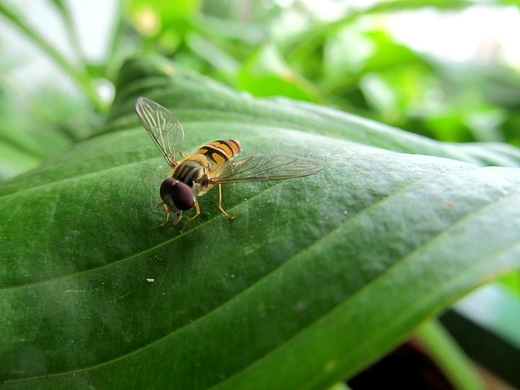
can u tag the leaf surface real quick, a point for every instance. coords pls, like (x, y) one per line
(314, 279)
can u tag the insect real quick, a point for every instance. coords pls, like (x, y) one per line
(212, 164)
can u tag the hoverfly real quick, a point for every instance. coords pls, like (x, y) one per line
(212, 164)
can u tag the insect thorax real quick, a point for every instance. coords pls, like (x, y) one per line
(194, 174)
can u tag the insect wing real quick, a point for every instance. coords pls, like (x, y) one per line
(164, 129)
(258, 167)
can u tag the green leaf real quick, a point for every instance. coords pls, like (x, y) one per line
(265, 73)
(314, 279)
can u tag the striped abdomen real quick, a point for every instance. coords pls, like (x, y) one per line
(218, 152)
(209, 157)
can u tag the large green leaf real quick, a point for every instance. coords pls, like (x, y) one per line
(314, 279)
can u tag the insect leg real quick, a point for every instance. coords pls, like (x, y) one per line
(167, 213)
(220, 203)
(197, 208)
(178, 217)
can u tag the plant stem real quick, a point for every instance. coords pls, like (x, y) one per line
(61, 7)
(448, 355)
(81, 78)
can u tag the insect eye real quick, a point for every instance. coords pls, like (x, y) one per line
(177, 193)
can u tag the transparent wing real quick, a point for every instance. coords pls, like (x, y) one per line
(164, 129)
(258, 167)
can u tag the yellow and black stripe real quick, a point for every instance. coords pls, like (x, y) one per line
(196, 168)
(220, 151)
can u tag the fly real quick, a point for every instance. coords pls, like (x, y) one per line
(212, 164)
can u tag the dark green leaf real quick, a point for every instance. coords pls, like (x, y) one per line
(315, 277)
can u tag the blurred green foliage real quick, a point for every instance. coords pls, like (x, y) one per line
(350, 61)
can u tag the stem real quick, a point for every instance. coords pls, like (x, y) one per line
(448, 355)
(310, 42)
(82, 79)
(116, 39)
(62, 8)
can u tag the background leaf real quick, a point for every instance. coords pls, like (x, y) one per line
(314, 279)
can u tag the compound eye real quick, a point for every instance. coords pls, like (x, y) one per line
(178, 193)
